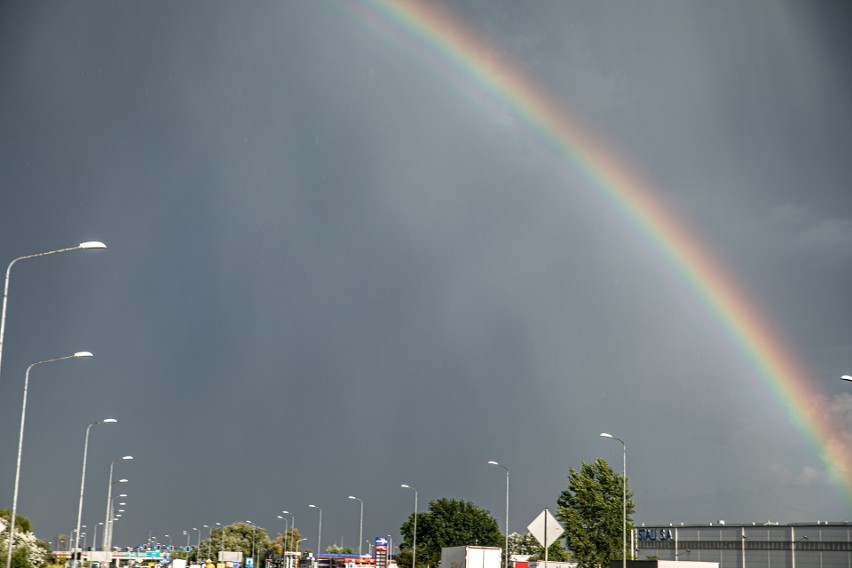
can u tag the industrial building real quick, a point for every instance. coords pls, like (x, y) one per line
(770, 545)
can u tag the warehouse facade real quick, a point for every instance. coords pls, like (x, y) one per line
(801, 545)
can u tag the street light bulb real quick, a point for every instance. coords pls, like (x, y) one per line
(127, 458)
(406, 486)
(280, 517)
(846, 377)
(605, 435)
(83, 354)
(313, 506)
(123, 480)
(109, 421)
(286, 512)
(492, 462)
(353, 497)
(92, 245)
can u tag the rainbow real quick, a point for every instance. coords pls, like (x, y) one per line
(465, 60)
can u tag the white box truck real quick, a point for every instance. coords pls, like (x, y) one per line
(471, 557)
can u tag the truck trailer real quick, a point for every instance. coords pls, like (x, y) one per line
(471, 557)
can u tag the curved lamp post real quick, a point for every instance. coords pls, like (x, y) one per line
(223, 535)
(624, 497)
(414, 546)
(81, 246)
(107, 544)
(506, 551)
(83, 482)
(21, 444)
(253, 534)
(360, 524)
(319, 530)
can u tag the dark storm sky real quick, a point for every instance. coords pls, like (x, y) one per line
(330, 271)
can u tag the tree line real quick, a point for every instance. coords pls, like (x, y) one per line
(589, 509)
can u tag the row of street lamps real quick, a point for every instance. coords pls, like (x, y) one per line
(88, 245)
(290, 525)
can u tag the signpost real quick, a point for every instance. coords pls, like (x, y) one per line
(381, 552)
(546, 530)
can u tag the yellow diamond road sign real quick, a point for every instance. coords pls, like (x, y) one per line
(546, 529)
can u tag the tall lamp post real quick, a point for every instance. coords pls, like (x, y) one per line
(209, 538)
(83, 482)
(21, 444)
(506, 551)
(95, 540)
(360, 524)
(414, 546)
(319, 530)
(286, 524)
(107, 538)
(292, 539)
(624, 497)
(81, 246)
(253, 533)
(198, 546)
(223, 536)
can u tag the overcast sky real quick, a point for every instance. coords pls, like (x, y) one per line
(331, 270)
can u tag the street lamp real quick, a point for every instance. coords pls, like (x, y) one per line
(95, 540)
(319, 530)
(285, 532)
(81, 246)
(223, 536)
(624, 497)
(253, 533)
(506, 551)
(21, 444)
(209, 538)
(360, 524)
(83, 482)
(414, 547)
(198, 546)
(847, 378)
(107, 539)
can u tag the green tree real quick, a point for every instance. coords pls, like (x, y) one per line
(28, 551)
(21, 523)
(526, 544)
(238, 537)
(448, 522)
(337, 549)
(291, 540)
(591, 510)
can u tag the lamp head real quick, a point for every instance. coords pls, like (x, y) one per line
(109, 421)
(92, 245)
(406, 486)
(492, 462)
(286, 512)
(313, 506)
(127, 457)
(605, 435)
(79, 354)
(846, 377)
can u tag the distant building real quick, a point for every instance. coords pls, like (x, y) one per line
(800, 545)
